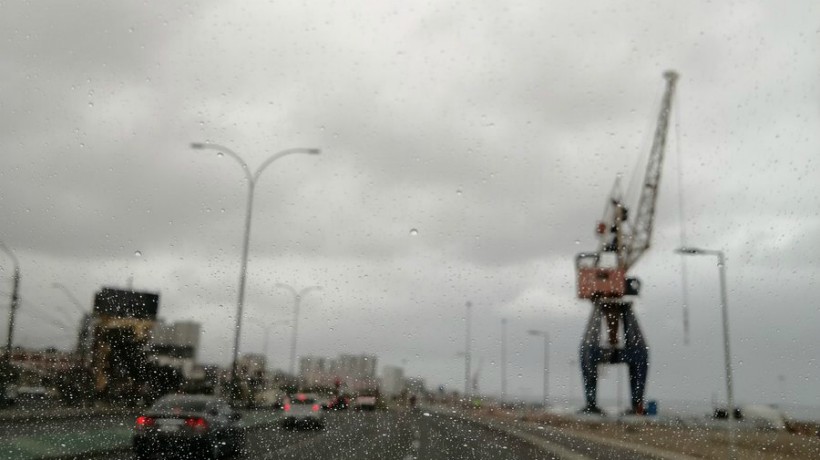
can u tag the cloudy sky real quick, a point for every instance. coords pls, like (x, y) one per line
(467, 151)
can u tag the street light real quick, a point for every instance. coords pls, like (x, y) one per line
(536, 332)
(15, 298)
(297, 301)
(251, 178)
(726, 354)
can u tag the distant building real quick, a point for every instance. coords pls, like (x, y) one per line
(315, 370)
(176, 345)
(37, 366)
(356, 372)
(392, 381)
(352, 372)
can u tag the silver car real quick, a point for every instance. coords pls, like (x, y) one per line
(303, 411)
(193, 427)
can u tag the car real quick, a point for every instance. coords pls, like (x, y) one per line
(338, 403)
(191, 426)
(303, 411)
(364, 403)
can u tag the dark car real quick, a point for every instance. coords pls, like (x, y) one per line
(338, 403)
(188, 426)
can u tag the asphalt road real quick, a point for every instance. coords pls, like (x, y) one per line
(386, 435)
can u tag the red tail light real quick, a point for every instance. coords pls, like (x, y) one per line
(287, 407)
(197, 423)
(144, 422)
(315, 408)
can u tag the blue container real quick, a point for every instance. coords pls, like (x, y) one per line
(652, 407)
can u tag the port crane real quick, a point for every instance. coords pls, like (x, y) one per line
(603, 276)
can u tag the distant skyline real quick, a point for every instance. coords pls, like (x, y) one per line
(467, 151)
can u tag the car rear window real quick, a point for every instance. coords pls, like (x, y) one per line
(304, 401)
(184, 405)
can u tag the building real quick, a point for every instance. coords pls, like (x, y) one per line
(176, 345)
(39, 366)
(351, 372)
(392, 381)
(315, 371)
(122, 321)
(355, 372)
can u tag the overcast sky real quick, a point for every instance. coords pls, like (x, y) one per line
(495, 130)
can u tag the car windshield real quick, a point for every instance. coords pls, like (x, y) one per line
(467, 229)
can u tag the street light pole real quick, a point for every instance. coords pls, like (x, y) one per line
(544, 334)
(727, 356)
(15, 299)
(297, 302)
(252, 179)
(467, 341)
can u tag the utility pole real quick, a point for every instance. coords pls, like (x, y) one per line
(15, 300)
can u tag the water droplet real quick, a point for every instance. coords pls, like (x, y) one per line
(458, 192)
(219, 154)
(577, 242)
(413, 232)
(138, 253)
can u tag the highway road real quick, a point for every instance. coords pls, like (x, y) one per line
(386, 435)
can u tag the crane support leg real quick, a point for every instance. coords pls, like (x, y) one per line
(634, 353)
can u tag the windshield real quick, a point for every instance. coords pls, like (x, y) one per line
(461, 229)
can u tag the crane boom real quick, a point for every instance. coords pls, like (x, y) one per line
(641, 231)
(626, 240)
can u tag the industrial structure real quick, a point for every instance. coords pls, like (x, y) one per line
(603, 279)
(122, 326)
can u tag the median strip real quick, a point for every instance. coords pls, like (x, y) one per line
(94, 443)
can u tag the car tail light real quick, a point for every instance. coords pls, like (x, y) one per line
(287, 407)
(144, 422)
(315, 408)
(197, 423)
